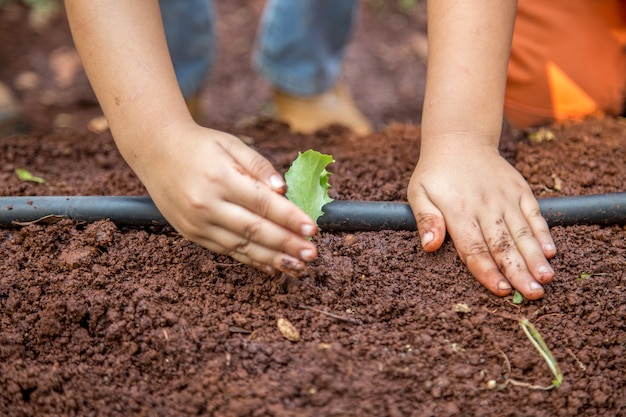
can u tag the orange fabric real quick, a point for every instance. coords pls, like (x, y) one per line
(568, 61)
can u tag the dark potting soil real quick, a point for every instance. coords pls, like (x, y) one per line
(99, 320)
(96, 320)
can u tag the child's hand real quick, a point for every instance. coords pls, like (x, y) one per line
(210, 186)
(488, 209)
(221, 194)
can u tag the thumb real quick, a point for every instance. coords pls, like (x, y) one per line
(430, 221)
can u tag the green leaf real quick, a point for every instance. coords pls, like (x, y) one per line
(518, 298)
(25, 175)
(307, 182)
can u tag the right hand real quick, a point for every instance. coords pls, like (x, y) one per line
(221, 194)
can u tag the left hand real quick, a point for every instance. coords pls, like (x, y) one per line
(490, 212)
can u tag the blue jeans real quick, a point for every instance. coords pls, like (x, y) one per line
(300, 43)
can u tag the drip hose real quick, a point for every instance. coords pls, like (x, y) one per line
(346, 216)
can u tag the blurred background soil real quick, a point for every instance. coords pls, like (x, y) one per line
(384, 67)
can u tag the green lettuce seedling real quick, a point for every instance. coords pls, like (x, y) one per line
(25, 175)
(307, 182)
(518, 298)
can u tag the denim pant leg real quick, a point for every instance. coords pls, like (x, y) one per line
(301, 43)
(189, 29)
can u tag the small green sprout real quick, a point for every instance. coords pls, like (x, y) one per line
(518, 298)
(25, 175)
(307, 182)
(407, 5)
(535, 338)
(583, 277)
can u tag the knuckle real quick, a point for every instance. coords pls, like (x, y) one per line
(258, 164)
(196, 200)
(252, 231)
(475, 251)
(242, 247)
(502, 242)
(522, 233)
(263, 204)
(238, 250)
(286, 243)
(535, 212)
(501, 245)
(425, 220)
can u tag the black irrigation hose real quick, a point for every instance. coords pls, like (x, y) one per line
(603, 209)
(348, 216)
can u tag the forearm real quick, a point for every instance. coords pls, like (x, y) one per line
(469, 46)
(125, 55)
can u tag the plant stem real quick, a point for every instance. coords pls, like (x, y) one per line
(535, 338)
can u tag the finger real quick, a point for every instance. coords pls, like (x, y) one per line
(256, 165)
(430, 221)
(474, 252)
(225, 242)
(252, 227)
(508, 242)
(244, 259)
(538, 225)
(524, 238)
(246, 192)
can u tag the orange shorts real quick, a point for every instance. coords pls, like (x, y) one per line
(568, 61)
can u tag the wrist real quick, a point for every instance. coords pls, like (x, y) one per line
(145, 144)
(457, 141)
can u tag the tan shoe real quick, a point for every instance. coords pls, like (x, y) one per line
(11, 119)
(309, 114)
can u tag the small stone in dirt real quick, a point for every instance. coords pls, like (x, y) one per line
(350, 239)
(63, 120)
(288, 330)
(27, 80)
(98, 125)
(558, 183)
(541, 135)
(461, 308)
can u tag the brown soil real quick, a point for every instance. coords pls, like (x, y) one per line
(98, 320)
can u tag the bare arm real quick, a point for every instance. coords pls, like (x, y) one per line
(124, 52)
(469, 45)
(461, 184)
(210, 186)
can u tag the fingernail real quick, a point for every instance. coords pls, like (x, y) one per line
(545, 269)
(535, 286)
(427, 238)
(308, 230)
(504, 286)
(277, 182)
(307, 254)
(549, 247)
